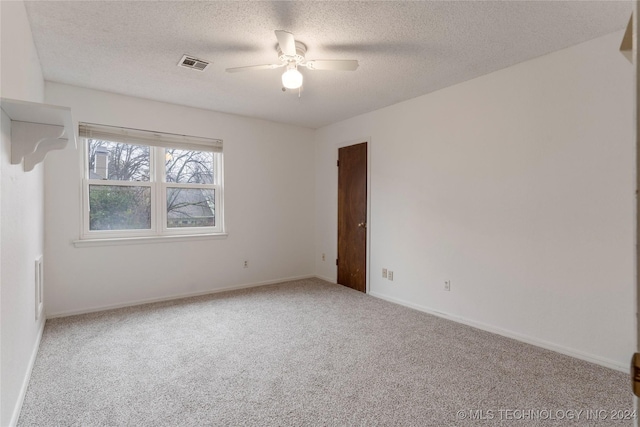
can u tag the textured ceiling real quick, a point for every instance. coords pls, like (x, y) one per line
(405, 49)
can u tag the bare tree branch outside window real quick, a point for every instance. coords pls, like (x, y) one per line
(126, 162)
(113, 207)
(190, 207)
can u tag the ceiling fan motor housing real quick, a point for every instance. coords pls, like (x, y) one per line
(301, 50)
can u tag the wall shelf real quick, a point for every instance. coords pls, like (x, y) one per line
(36, 129)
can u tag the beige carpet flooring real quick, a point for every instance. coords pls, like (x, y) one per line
(304, 353)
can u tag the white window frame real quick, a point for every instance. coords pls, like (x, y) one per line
(157, 183)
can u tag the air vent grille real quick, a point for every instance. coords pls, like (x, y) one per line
(193, 63)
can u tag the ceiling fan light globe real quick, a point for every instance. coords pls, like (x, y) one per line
(292, 79)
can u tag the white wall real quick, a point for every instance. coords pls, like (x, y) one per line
(21, 218)
(269, 210)
(21, 75)
(517, 186)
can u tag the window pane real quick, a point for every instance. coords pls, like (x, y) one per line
(113, 207)
(183, 166)
(118, 161)
(190, 207)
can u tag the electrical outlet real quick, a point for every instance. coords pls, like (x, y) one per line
(246, 264)
(384, 273)
(447, 285)
(324, 258)
(390, 275)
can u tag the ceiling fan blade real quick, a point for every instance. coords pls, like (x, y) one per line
(332, 64)
(254, 67)
(287, 42)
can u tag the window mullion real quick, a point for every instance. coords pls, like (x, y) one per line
(159, 178)
(112, 183)
(218, 171)
(188, 185)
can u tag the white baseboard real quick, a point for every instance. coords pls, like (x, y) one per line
(326, 279)
(175, 296)
(25, 382)
(607, 363)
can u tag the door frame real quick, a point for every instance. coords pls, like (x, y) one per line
(337, 147)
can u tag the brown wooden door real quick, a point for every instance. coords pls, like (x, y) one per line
(352, 216)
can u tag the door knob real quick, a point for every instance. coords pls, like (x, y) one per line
(362, 225)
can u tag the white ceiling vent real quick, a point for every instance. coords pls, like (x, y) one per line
(193, 63)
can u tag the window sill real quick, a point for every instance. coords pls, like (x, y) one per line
(119, 241)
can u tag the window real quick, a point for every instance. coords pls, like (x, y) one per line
(139, 183)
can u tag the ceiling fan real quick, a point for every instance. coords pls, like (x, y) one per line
(291, 55)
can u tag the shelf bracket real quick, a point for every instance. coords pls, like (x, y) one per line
(36, 129)
(36, 140)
